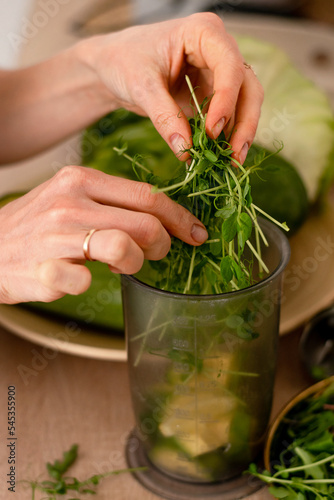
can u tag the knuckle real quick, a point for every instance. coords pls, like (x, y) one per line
(206, 18)
(163, 120)
(82, 283)
(150, 230)
(148, 201)
(120, 247)
(61, 211)
(49, 274)
(71, 176)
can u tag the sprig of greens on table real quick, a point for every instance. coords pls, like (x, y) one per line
(216, 188)
(306, 464)
(59, 484)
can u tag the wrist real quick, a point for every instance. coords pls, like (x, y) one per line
(87, 53)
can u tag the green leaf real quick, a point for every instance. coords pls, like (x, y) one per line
(324, 442)
(226, 269)
(244, 227)
(307, 458)
(196, 137)
(211, 276)
(202, 165)
(246, 333)
(234, 321)
(216, 247)
(237, 271)
(229, 227)
(226, 211)
(210, 155)
(247, 195)
(279, 492)
(58, 468)
(203, 184)
(252, 468)
(245, 224)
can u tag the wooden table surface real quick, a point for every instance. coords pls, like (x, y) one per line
(63, 399)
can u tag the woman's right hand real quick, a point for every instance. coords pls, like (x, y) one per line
(42, 233)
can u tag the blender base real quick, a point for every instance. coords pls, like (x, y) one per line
(174, 489)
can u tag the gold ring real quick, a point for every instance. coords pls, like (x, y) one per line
(85, 246)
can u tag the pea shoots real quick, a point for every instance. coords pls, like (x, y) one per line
(59, 484)
(216, 188)
(304, 468)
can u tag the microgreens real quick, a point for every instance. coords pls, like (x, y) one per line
(216, 188)
(305, 468)
(59, 484)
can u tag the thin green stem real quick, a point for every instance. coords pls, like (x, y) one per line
(237, 185)
(191, 88)
(216, 240)
(218, 180)
(214, 264)
(282, 225)
(252, 215)
(259, 258)
(175, 186)
(305, 467)
(149, 330)
(135, 162)
(191, 269)
(189, 170)
(285, 482)
(205, 191)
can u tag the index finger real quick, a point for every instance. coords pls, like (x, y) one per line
(139, 197)
(218, 51)
(211, 47)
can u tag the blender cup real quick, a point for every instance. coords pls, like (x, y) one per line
(202, 370)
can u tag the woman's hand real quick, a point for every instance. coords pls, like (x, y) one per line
(42, 233)
(144, 69)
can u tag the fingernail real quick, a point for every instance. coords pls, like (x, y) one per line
(177, 143)
(243, 152)
(218, 127)
(199, 233)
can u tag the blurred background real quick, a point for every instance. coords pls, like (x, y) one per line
(21, 23)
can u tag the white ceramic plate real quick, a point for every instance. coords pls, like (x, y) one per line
(309, 278)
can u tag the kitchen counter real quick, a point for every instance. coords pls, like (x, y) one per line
(63, 399)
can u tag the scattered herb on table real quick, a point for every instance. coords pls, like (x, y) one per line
(306, 464)
(59, 484)
(217, 190)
